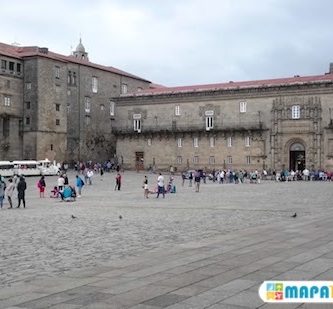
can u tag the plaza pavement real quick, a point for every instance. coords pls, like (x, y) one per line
(190, 250)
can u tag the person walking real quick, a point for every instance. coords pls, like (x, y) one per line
(2, 191)
(90, 175)
(9, 192)
(61, 183)
(21, 187)
(197, 178)
(118, 182)
(41, 186)
(79, 184)
(160, 186)
(145, 187)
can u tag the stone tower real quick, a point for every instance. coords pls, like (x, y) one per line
(80, 52)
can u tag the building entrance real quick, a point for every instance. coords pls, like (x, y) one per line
(139, 161)
(297, 157)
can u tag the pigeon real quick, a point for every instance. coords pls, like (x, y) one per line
(73, 217)
(294, 215)
(120, 217)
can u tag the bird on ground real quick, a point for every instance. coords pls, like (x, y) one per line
(120, 217)
(294, 215)
(73, 217)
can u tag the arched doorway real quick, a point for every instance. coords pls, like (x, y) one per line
(297, 157)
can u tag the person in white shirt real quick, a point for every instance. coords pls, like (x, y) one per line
(90, 174)
(160, 186)
(9, 192)
(61, 183)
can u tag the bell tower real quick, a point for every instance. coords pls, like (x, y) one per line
(80, 52)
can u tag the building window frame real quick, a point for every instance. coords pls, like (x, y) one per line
(211, 160)
(179, 160)
(57, 72)
(124, 88)
(27, 121)
(247, 141)
(112, 108)
(177, 110)
(57, 107)
(87, 105)
(229, 159)
(195, 142)
(248, 160)
(296, 112)
(242, 106)
(137, 125)
(195, 160)
(212, 142)
(28, 86)
(57, 122)
(229, 141)
(94, 84)
(7, 101)
(179, 142)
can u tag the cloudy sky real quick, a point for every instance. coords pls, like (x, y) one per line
(182, 42)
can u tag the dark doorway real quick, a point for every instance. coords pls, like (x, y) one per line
(139, 161)
(297, 157)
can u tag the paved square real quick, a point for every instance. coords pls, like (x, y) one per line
(189, 250)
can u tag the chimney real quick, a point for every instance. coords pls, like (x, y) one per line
(43, 50)
(331, 68)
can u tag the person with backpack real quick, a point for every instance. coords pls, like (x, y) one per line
(79, 184)
(41, 186)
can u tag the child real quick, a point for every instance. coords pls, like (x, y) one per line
(54, 192)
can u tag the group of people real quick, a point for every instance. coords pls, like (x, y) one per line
(7, 190)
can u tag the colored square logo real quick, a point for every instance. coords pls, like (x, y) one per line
(270, 295)
(279, 287)
(278, 295)
(270, 287)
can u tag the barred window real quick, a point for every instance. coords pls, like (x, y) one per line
(295, 112)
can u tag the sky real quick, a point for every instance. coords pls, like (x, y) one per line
(181, 42)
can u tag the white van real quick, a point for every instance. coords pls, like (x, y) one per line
(47, 168)
(26, 168)
(6, 169)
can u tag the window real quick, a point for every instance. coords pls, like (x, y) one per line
(88, 120)
(11, 66)
(195, 142)
(5, 127)
(102, 106)
(87, 104)
(177, 110)
(94, 84)
(27, 120)
(111, 108)
(74, 78)
(51, 147)
(57, 106)
(242, 107)
(179, 142)
(139, 89)
(18, 67)
(211, 160)
(28, 86)
(68, 108)
(124, 88)
(8, 84)
(3, 64)
(27, 105)
(137, 125)
(7, 101)
(248, 160)
(69, 77)
(195, 159)
(229, 159)
(229, 141)
(57, 72)
(179, 160)
(149, 141)
(209, 123)
(295, 112)
(212, 141)
(57, 122)
(247, 141)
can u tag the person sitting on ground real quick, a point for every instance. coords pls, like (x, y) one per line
(68, 194)
(55, 192)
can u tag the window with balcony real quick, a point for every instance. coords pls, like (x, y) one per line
(296, 112)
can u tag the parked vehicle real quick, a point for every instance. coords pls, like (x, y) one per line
(47, 168)
(26, 168)
(6, 169)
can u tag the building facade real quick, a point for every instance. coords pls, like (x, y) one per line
(58, 107)
(271, 124)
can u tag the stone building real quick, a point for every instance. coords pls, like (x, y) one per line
(272, 124)
(58, 107)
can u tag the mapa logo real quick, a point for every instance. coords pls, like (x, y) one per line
(296, 291)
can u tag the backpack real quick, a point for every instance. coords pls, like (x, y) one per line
(82, 182)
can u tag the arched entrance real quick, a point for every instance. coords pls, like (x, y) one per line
(297, 157)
